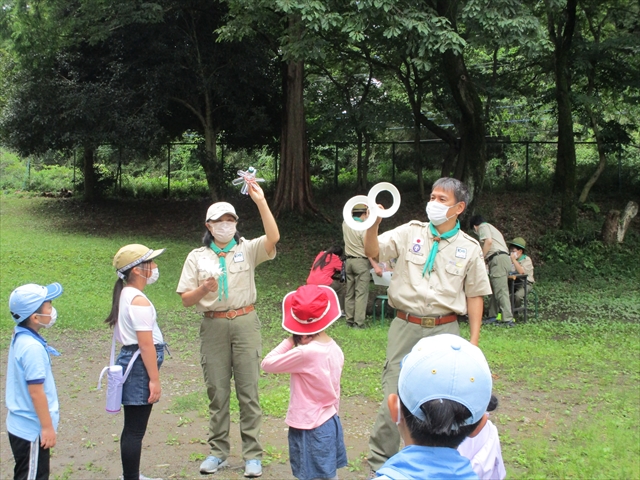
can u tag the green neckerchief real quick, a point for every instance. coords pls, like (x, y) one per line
(358, 219)
(522, 257)
(222, 253)
(428, 267)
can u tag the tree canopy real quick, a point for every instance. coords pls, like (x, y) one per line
(137, 74)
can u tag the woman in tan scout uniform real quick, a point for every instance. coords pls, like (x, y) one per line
(230, 331)
(439, 275)
(496, 255)
(524, 266)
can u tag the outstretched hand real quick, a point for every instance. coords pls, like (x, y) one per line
(256, 192)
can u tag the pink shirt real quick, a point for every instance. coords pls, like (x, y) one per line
(322, 276)
(315, 370)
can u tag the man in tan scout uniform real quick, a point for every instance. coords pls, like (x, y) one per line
(523, 265)
(357, 270)
(439, 275)
(496, 255)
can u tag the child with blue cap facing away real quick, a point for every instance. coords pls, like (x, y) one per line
(443, 393)
(31, 396)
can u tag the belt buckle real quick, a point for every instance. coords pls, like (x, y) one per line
(427, 322)
(235, 314)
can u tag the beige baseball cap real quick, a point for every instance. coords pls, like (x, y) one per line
(131, 255)
(218, 209)
(359, 208)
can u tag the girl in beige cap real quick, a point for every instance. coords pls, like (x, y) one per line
(133, 317)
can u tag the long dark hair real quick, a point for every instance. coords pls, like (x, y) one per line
(207, 238)
(112, 319)
(322, 261)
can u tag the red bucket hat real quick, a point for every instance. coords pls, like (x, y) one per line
(310, 309)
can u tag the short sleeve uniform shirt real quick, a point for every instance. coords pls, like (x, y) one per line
(241, 262)
(458, 272)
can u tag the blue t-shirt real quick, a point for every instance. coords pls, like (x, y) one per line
(417, 462)
(29, 363)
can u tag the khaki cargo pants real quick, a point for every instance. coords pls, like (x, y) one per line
(232, 348)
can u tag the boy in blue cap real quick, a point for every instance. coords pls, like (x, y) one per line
(31, 395)
(443, 393)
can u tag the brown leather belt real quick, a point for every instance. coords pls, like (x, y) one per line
(230, 314)
(427, 322)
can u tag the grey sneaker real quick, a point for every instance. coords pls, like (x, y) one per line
(252, 468)
(142, 477)
(212, 464)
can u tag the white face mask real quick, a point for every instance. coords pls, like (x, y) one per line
(53, 315)
(223, 232)
(437, 212)
(155, 274)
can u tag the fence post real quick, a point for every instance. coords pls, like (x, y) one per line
(168, 170)
(393, 162)
(335, 170)
(74, 170)
(527, 165)
(119, 173)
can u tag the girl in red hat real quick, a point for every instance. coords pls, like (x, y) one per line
(315, 361)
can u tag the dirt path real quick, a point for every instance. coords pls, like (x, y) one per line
(88, 438)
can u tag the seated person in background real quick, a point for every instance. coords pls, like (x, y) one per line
(522, 265)
(326, 270)
(444, 390)
(483, 449)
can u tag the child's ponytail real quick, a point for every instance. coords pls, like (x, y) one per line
(112, 319)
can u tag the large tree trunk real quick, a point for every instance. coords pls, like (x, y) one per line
(565, 177)
(293, 190)
(472, 156)
(89, 173)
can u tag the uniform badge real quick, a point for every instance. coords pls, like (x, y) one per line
(417, 245)
(238, 257)
(461, 252)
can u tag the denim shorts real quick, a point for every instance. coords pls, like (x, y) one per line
(319, 452)
(135, 390)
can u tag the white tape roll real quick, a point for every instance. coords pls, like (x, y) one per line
(380, 187)
(348, 216)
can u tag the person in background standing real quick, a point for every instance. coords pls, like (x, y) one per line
(357, 268)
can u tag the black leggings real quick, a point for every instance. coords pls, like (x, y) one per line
(136, 418)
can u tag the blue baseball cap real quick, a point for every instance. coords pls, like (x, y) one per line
(445, 367)
(25, 300)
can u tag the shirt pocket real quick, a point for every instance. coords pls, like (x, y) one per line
(452, 279)
(415, 267)
(238, 274)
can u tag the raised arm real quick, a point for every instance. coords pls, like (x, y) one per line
(268, 222)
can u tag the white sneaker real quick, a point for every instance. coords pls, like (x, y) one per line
(211, 464)
(252, 468)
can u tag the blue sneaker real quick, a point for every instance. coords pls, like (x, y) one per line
(489, 320)
(211, 464)
(252, 468)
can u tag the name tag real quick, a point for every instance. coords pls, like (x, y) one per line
(238, 257)
(461, 252)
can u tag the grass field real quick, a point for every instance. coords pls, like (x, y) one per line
(569, 390)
